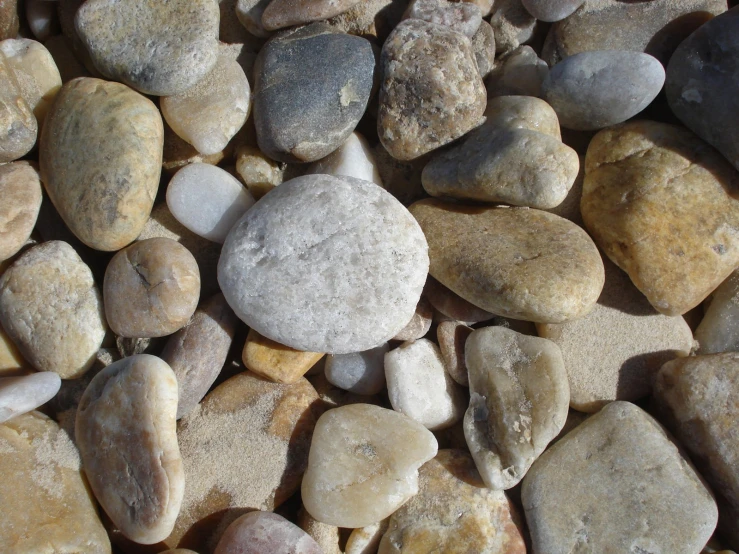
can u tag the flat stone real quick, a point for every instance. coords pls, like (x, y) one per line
(52, 310)
(353, 158)
(431, 92)
(660, 203)
(452, 305)
(462, 17)
(160, 48)
(20, 189)
(260, 173)
(126, 434)
(516, 262)
(453, 512)
(700, 75)
(521, 72)
(326, 536)
(358, 372)
(513, 25)
(18, 126)
(288, 13)
(719, 329)
(483, 46)
(656, 501)
(19, 395)
(451, 336)
(551, 10)
(419, 324)
(290, 268)
(275, 361)
(104, 194)
(304, 106)
(259, 532)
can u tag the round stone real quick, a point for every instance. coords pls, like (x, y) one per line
(290, 268)
(20, 190)
(260, 532)
(19, 395)
(551, 10)
(358, 372)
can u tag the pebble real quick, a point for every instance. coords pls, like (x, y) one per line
(9, 23)
(521, 72)
(519, 397)
(516, 262)
(276, 362)
(249, 13)
(593, 90)
(19, 395)
(363, 464)
(513, 25)
(454, 513)
(462, 17)
(305, 107)
(419, 324)
(260, 532)
(151, 288)
(452, 305)
(20, 189)
(279, 14)
(655, 500)
(178, 153)
(551, 10)
(52, 310)
(419, 386)
(207, 200)
(159, 48)
(451, 336)
(374, 19)
(327, 536)
(483, 46)
(50, 508)
(366, 540)
(126, 433)
(290, 269)
(353, 158)
(42, 19)
(431, 92)
(333, 397)
(520, 112)
(358, 372)
(260, 173)
(18, 126)
(104, 194)
(656, 200)
(700, 75)
(718, 331)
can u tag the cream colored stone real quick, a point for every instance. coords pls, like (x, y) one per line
(260, 173)
(353, 158)
(18, 126)
(261, 532)
(366, 540)
(719, 329)
(275, 361)
(19, 395)
(20, 191)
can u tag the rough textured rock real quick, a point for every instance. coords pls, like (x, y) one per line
(259, 532)
(373, 19)
(656, 501)
(358, 372)
(462, 17)
(513, 25)
(288, 13)
(259, 173)
(19, 395)
(551, 10)
(20, 189)
(451, 336)
(18, 126)
(419, 324)
(353, 158)
(719, 329)
(661, 204)
(521, 72)
(104, 194)
(275, 361)
(483, 46)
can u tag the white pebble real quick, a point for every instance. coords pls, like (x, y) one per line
(359, 372)
(19, 395)
(354, 158)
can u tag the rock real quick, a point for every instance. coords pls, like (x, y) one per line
(127, 438)
(452, 336)
(453, 512)
(358, 372)
(719, 329)
(326, 536)
(656, 501)
(197, 352)
(516, 262)
(366, 540)
(178, 153)
(20, 189)
(333, 397)
(570, 206)
(207, 200)
(42, 19)
(697, 399)
(373, 19)
(279, 14)
(52, 310)
(258, 172)
(521, 72)
(11, 361)
(274, 361)
(305, 107)
(462, 17)
(363, 464)
(513, 25)
(313, 279)
(431, 91)
(52, 508)
(551, 10)
(19, 395)
(419, 324)
(18, 127)
(614, 352)
(401, 179)
(9, 23)
(249, 13)
(521, 112)
(354, 158)
(209, 114)
(259, 532)
(660, 204)
(593, 90)
(700, 74)
(451, 305)
(138, 43)
(483, 46)
(104, 194)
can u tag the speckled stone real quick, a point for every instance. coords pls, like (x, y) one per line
(288, 13)
(275, 361)
(20, 190)
(513, 25)
(260, 532)
(462, 17)
(483, 46)
(18, 126)
(9, 22)
(551, 10)
(374, 19)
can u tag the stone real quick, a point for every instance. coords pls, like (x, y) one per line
(551, 10)
(52, 508)
(209, 114)
(197, 352)
(614, 352)
(358, 372)
(419, 324)
(178, 153)
(700, 75)
(52, 310)
(570, 206)
(207, 200)
(258, 532)
(592, 90)
(326, 536)
(660, 203)
(427, 70)
(656, 500)
(20, 189)
(9, 22)
(521, 112)
(483, 46)
(126, 433)
(18, 126)
(513, 25)
(333, 397)
(19, 395)
(274, 361)
(353, 158)
(718, 331)
(697, 399)
(42, 19)
(290, 267)
(453, 512)
(104, 194)
(451, 336)
(521, 72)
(451, 305)
(11, 361)
(373, 19)
(363, 464)
(462, 17)
(249, 13)
(138, 44)
(402, 179)
(279, 14)
(366, 540)
(258, 172)
(515, 262)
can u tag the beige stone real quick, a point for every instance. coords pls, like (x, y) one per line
(520, 72)
(328, 537)
(11, 361)
(259, 173)
(719, 329)
(178, 153)
(20, 190)
(513, 25)
(451, 336)
(374, 19)
(260, 532)
(18, 126)
(19, 395)
(287, 13)
(366, 540)
(483, 45)
(462, 17)
(275, 361)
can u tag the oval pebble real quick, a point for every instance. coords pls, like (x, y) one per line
(19, 395)
(261, 532)
(358, 372)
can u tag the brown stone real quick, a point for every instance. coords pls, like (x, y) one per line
(9, 22)
(20, 190)
(288, 13)
(451, 336)
(18, 126)
(275, 361)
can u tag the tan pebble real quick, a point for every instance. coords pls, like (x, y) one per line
(20, 190)
(287, 13)
(452, 305)
(276, 361)
(177, 153)
(18, 126)
(366, 540)
(452, 336)
(373, 19)
(257, 171)
(261, 532)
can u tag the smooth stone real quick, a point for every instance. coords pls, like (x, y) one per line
(719, 329)
(279, 14)
(697, 399)
(304, 106)
(19, 395)
(11, 361)
(178, 153)
(275, 361)
(197, 352)
(431, 92)
(209, 114)
(333, 397)
(290, 268)
(326, 536)
(52, 310)
(18, 126)
(451, 305)
(42, 19)
(521, 72)
(656, 501)
(551, 10)
(159, 48)
(363, 464)
(20, 190)
(659, 202)
(260, 173)
(9, 21)
(593, 90)
(700, 76)
(452, 336)
(570, 206)
(207, 200)
(523, 112)
(104, 194)
(454, 513)
(513, 25)
(358, 372)
(249, 14)
(366, 540)
(260, 532)
(462, 17)
(52, 508)
(353, 158)
(516, 262)
(151, 288)
(419, 324)
(126, 433)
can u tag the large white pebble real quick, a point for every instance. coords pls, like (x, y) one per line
(358, 372)
(19, 395)
(354, 158)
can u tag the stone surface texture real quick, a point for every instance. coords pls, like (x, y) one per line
(275, 361)
(358, 372)
(462, 17)
(452, 336)
(551, 10)
(18, 126)
(520, 72)
(19, 395)
(353, 158)
(288, 13)
(20, 190)
(260, 532)
(719, 329)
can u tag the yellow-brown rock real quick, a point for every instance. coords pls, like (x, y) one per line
(275, 361)
(20, 190)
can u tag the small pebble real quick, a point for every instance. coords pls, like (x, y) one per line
(513, 25)
(42, 19)
(178, 153)
(288, 13)
(719, 329)
(18, 126)
(20, 190)
(358, 372)
(19, 395)
(419, 324)
(274, 361)
(483, 46)
(261, 532)
(462, 17)
(354, 158)
(521, 72)
(551, 10)
(259, 172)
(452, 336)
(366, 540)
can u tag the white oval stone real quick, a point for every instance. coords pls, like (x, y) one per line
(354, 158)
(358, 372)
(19, 395)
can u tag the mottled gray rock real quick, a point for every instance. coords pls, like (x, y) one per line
(358, 372)
(513, 25)
(260, 532)
(521, 72)
(20, 190)
(19, 395)
(551, 10)
(288, 13)
(461, 17)
(18, 126)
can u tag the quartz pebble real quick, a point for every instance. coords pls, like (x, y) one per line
(419, 324)
(260, 532)
(452, 305)
(274, 361)
(18, 126)
(353, 158)
(451, 336)
(551, 10)
(521, 72)
(719, 329)
(358, 372)
(20, 190)
(261, 174)
(462, 17)
(288, 13)
(19, 395)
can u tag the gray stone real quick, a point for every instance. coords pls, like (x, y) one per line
(358, 372)
(451, 305)
(288, 13)
(483, 46)
(719, 329)
(461, 17)
(513, 25)
(19, 395)
(20, 190)
(260, 532)
(249, 13)
(521, 72)
(551, 10)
